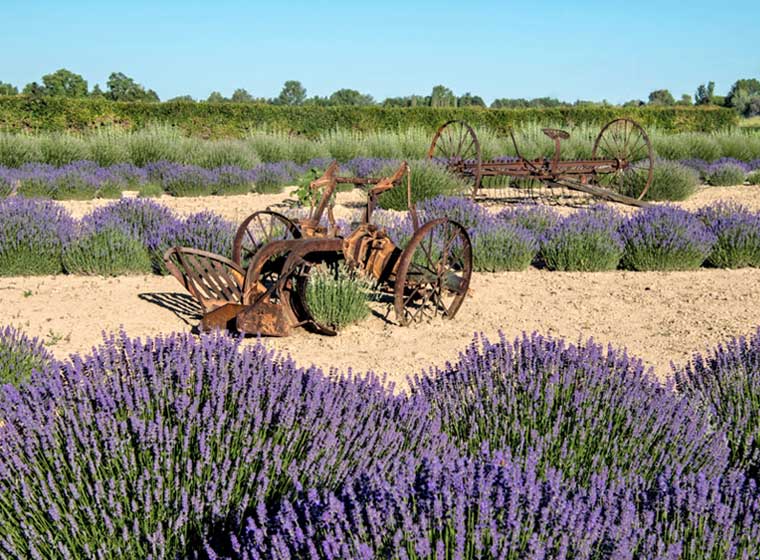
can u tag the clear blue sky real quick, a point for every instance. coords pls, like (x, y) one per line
(595, 50)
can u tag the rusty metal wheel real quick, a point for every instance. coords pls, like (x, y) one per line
(456, 145)
(258, 229)
(626, 141)
(433, 273)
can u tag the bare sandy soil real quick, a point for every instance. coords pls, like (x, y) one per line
(660, 316)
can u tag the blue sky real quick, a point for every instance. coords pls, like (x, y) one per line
(571, 50)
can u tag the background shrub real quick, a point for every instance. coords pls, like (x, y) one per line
(537, 219)
(670, 181)
(33, 234)
(587, 240)
(428, 181)
(20, 355)
(108, 252)
(665, 238)
(737, 233)
(725, 175)
(497, 247)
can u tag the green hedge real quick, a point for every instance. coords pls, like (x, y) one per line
(216, 120)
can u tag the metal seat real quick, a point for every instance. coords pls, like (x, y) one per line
(555, 133)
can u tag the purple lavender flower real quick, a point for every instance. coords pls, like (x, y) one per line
(33, 234)
(665, 238)
(587, 240)
(20, 356)
(737, 232)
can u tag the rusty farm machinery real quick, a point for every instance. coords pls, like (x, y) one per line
(620, 168)
(262, 289)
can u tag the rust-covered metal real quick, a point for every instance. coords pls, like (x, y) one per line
(620, 169)
(262, 289)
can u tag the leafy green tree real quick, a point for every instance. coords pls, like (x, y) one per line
(506, 103)
(705, 94)
(469, 100)
(97, 92)
(64, 83)
(293, 93)
(181, 99)
(216, 97)
(350, 97)
(441, 96)
(240, 95)
(123, 88)
(34, 89)
(661, 97)
(685, 100)
(634, 103)
(742, 94)
(8, 89)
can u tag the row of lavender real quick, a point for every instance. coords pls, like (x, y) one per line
(130, 235)
(529, 449)
(87, 180)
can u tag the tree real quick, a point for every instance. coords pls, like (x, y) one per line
(634, 103)
(241, 96)
(350, 97)
(216, 97)
(8, 89)
(181, 99)
(753, 107)
(97, 92)
(64, 83)
(293, 93)
(661, 97)
(441, 96)
(705, 94)
(123, 88)
(469, 100)
(685, 100)
(34, 89)
(742, 94)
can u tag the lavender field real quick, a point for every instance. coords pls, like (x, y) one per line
(532, 448)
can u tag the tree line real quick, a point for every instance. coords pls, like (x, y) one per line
(743, 96)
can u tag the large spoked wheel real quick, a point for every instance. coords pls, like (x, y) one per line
(258, 229)
(456, 145)
(625, 141)
(433, 273)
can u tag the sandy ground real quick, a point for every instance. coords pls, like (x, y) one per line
(660, 317)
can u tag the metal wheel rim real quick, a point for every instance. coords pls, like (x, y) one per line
(456, 140)
(634, 133)
(245, 243)
(407, 292)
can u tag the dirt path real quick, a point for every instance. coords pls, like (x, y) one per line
(658, 316)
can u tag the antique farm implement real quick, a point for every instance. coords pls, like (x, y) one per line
(262, 289)
(620, 168)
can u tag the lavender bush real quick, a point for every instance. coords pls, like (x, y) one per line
(587, 240)
(195, 435)
(581, 409)
(726, 383)
(737, 233)
(497, 508)
(726, 174)
(33, 234)
(670, 181)
(497, 247)
(108, 252)
(753, 178)
(537, 219)
(20, 355)
(665, 238)
(428, 181)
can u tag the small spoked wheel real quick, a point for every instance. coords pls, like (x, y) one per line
(433, 273)
(626, 142)
(258, 229)
(456, 146)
